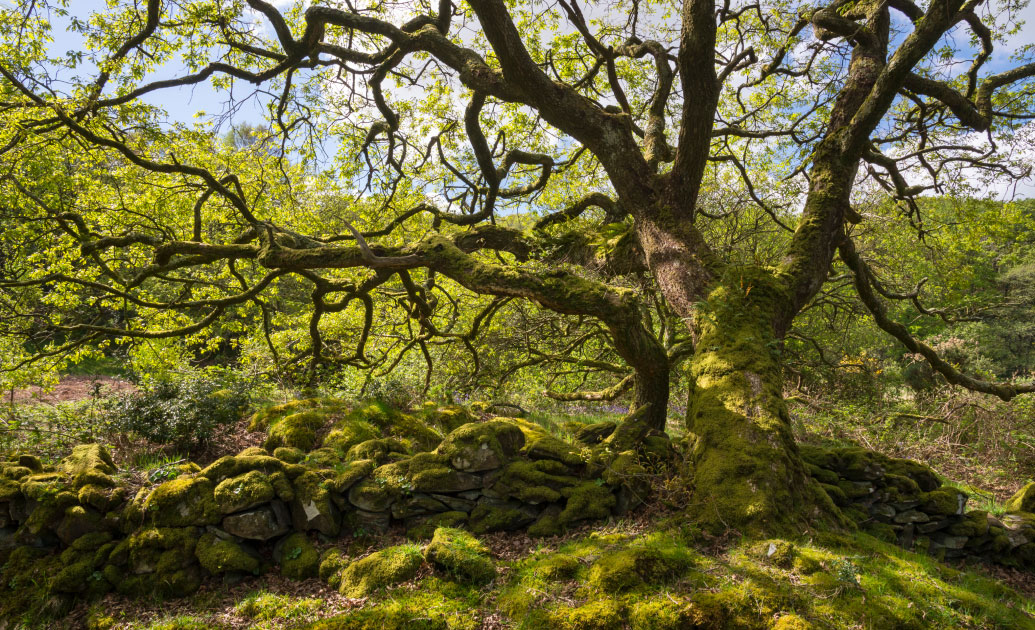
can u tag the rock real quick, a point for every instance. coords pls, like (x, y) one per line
(371, 496)
(218, 556)
(182, 502)
(456, 503)
(501, 516)
(297, 556)
(347, 476)
(912, 516)
(297, 430)
(1023, 500)
(945, 501)
(972, 524)
(534, 482)
(88, 464)
(362, 522)
(595, 433)
(461, 556)
(416, 505)
(77, 522)
(379, 570)
(242, 492)
(949, 541)
(379, 451)
(933, 526)
(261, 523)
(313, 507)
(423, 527)
(234, 465)
(882, 511)
(480, 446)
(588, 500)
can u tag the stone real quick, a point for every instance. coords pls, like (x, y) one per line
(949, 541)
(261, 523)
(381, 569)
(496, 516)
(481, 446)
(217, 555)
(1023, 500)
(415, 506)
(297, 556)
(944, 501)
(182, 502)
(313, 507)
(461, 556)
(911, 516)
(595, 433)
(882, 511)
(362, 522)
(933, 526)
(242, 492)
(371, 496)
(456, 503)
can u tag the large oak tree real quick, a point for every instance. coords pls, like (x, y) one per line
(409, 144)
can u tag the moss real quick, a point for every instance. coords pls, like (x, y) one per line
(602, 614)
(347, 475)
(446, 418)
(663, 613)
(182, 502)
(973, 523)
(653, 561)
(265, 418)
(387, 422)
(943, 501)
(297, 430)
(313, 507)
(378, 450)
(1023, 500)
(534, 481)
(101, 498)
(288, 454)
(557, 567)
(381, 569)
(332, 561)
(588, 500)
(299, 559)
(480, 446)
(234, 465)
(461, 556)
(791, 622)
(780, 553)
(278, 609)
(487, 517)
(242, 492)
(746, 467)
(89, 464)
(349, 433)
(218, 556)
(426, 528)
(595, 433)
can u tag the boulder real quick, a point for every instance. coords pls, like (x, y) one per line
(313, 507)
(243, 491)
(381, 569)
(182, 502)
(481, 446)
(262, 523)
(1023, 500)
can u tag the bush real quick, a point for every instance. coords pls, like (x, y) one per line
(184, 412)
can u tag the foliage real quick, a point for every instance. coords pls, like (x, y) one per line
(183, 412)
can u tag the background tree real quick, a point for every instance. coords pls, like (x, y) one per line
(651, 139)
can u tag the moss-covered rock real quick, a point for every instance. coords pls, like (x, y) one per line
(234, 465)
(182, 502)
(155, 562)
(446, 418)
(943, 501)
(663, 613)
(588, 500)
(242, 492)
(348, 433)
(332, 562)
(595, 433)
(501, 516)
(298, 557)
(381, 569)
(377, 450)
(313, 507)
(89, 464)
(218, 555)
(1023, 500)
(534, 481)
(423, 528)
(461, 556)
(261, 523)
(347, 475)
(480, 446)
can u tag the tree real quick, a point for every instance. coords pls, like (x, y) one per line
(647, 136)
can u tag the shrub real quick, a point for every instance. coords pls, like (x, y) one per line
(183, 412)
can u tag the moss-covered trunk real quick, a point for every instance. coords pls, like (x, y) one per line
(745, 468)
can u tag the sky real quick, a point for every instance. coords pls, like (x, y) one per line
(184, 103)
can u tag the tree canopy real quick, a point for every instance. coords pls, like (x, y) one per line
(626, 187)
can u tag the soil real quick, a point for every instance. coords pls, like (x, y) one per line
(69, 389)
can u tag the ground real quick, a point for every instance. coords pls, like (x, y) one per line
(645, 571)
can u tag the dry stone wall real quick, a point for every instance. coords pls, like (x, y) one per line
(905, 502)
(80, 528)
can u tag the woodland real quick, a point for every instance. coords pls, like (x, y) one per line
(646, 314)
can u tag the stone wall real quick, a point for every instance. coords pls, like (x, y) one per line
(83, 527)
(905, 502)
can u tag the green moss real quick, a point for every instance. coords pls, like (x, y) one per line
(242, 492)
(791, 622)
(89, 464)
(332, 561)
(944, 501)
(479, 446)
(182, 502)
(663, 613)
(265, 418)
(349, 433)
(446, 418)
(602, 614)
(380, 570)
(218, 556)
(974, 523)
(377, 450)
(534, 481)
(234, 465)
(288, 454)
(297, 430)
(1023, 500)
(461, 556)
(313, 507)
(299, 559)
(425, 529)
(652, 561)
(347, 475)
(588, 500)
(487, 518)
(279, 609)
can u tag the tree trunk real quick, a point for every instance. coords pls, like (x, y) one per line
(744, 465)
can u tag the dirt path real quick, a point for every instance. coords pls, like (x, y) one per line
(69, 388)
